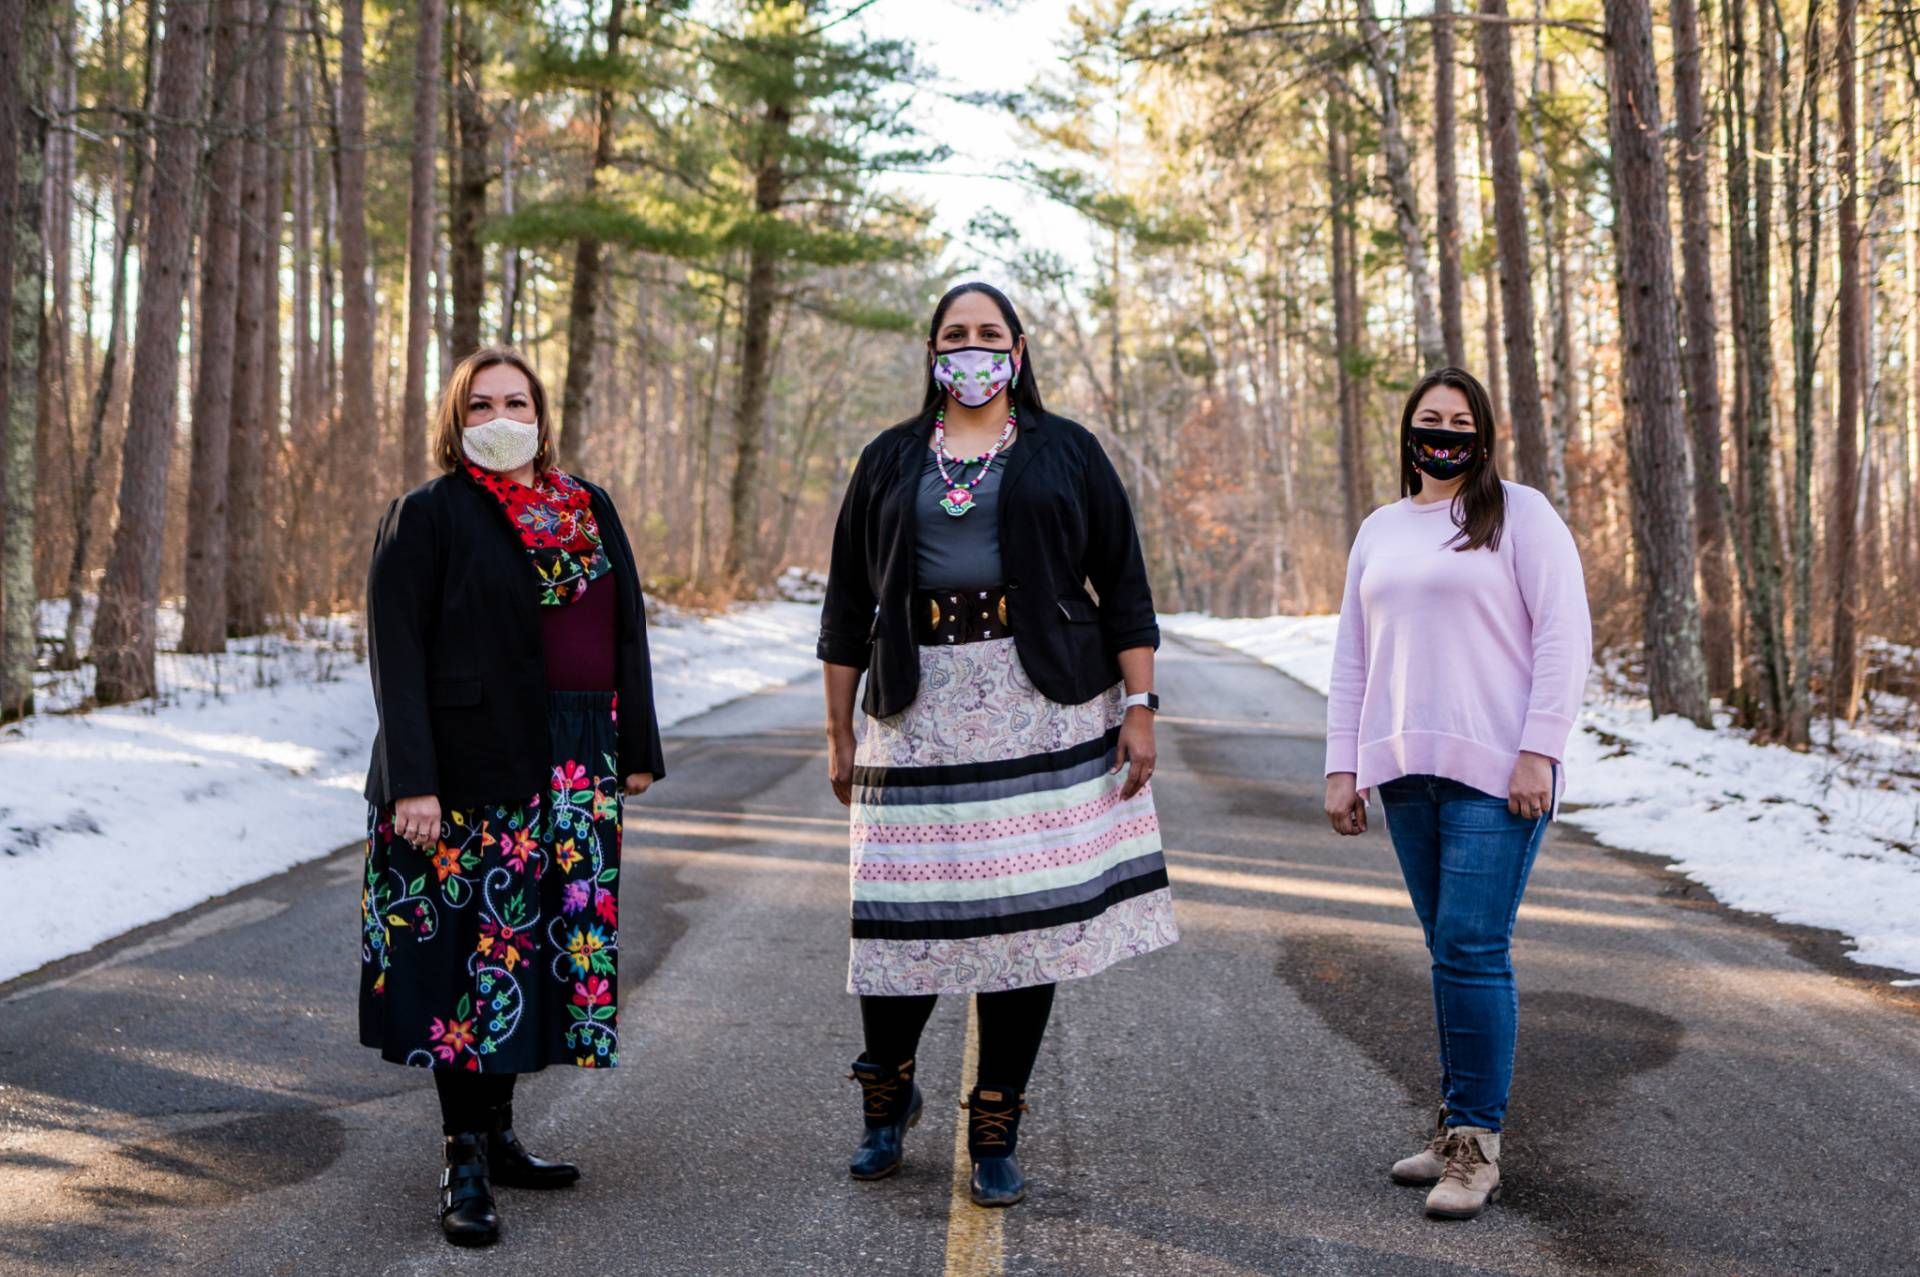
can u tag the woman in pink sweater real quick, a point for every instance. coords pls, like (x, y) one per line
(1457, 675)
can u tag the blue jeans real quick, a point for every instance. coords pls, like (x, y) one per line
(1466, 858)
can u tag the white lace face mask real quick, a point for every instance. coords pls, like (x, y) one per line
(501, 445)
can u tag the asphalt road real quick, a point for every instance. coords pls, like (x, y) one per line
(1696, 1093)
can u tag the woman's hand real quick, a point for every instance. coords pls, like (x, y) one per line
(840, 747)
(417, 819)
(1346, 806)
(639, 782)
(1530, 791)
(1136, 750)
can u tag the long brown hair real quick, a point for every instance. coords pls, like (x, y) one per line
(450, 418)
(1480, 504)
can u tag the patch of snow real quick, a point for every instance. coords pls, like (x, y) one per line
(251, 761)
(1828, 838)
(802, 585)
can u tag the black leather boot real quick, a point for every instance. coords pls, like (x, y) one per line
(513, 1166)
(467, 1214)
(993, 1129)
(892, 1104)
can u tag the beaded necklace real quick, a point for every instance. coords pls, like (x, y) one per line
(959, 498)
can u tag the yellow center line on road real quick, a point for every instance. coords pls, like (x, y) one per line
(975, 1244)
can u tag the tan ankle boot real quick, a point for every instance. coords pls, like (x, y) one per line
(1471, 1178)
(1424, 1167)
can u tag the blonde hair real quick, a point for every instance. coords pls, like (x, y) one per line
(450, 418)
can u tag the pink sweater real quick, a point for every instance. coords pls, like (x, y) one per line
(1451, 663)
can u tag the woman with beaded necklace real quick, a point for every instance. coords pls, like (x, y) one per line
(1003, 829)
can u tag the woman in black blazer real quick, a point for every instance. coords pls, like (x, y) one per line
(987, 577)
(508, 646)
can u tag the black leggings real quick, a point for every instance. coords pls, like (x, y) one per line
(468, 1101)
(1012, 1023)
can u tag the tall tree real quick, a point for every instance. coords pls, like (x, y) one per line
(256, 369)
(802, 103)
(1447, 188)
(1702, 359)
(1355, 497)
(123, 632)
(583, 309)
(1405, 195)
(1510, 233)
(203, 625)
(359, 430)
(1803, 184)
(1843, 681)
(430, 18)
(1650, 358)
(131, 159)
(469, 175)
(1747, 127)
(23, 116)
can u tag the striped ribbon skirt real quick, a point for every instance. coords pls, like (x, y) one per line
(991, 849)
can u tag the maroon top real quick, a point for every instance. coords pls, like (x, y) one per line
(578, 638)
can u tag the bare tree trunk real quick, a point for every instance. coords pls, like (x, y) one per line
(703, 474)
(59, 182)
(204, 623)
(1910, 490)
(583, 311)
(1650, 359)
(1354, 494)
(1510, 233)
(123, 633)
(1406, 201)
(1490, 289)
(1553, 226)
(509, 256)
(469, 166)
(750, 404)
(1768, 692)
(1447, 200)
(1804, 279)
(1702, 366)
(1843, 683)
(23, 115)
(326, 292)
(304, 402)
(358, 437)
(133, 153)
(256, 417)
(430, 17)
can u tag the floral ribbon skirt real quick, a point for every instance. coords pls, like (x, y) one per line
(496, 949)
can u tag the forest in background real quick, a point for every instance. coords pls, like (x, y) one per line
(240, 241)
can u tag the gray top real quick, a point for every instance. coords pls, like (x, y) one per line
(954, 553)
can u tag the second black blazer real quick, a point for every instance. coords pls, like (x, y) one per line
(1064, 523)
(454, 640)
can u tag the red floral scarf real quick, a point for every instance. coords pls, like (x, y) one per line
(554, 520)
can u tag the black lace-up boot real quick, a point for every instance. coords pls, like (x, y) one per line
(993, 1129)
(892, 1104)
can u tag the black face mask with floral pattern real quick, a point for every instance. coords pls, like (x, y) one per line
(1443, 454)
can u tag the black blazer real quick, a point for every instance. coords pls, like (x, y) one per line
(453, 639)
(1064, 523)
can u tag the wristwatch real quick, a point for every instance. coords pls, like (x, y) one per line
(1150, 699)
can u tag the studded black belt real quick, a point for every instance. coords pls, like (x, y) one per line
(960, 616)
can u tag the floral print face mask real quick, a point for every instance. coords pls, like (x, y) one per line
(974, 374)
(1443, 454)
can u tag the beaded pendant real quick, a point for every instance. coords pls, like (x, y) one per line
(959, 498)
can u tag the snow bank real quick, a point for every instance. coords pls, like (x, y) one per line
(1827, 839)
(252, 761)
